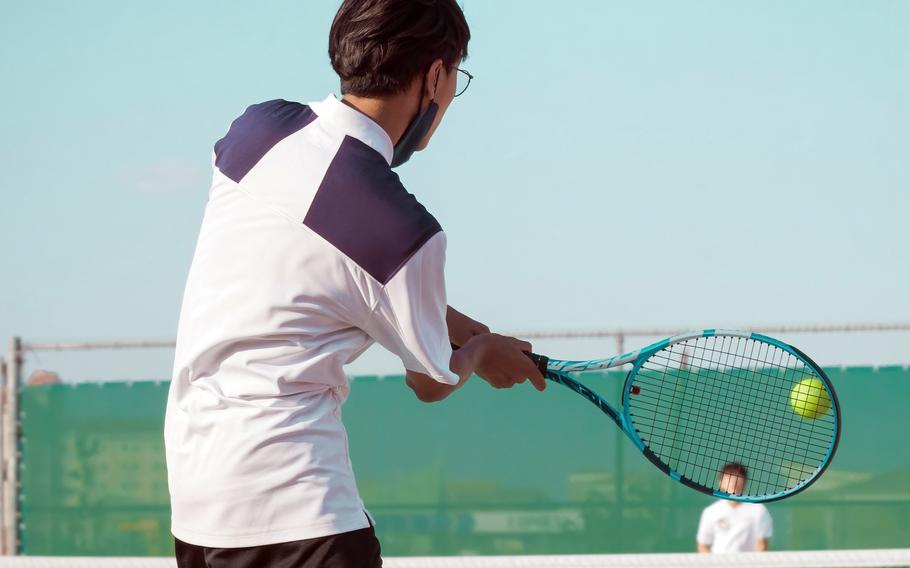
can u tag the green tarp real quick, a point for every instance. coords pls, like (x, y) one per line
(484, 472)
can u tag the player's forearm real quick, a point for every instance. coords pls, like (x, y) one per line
(427, 389)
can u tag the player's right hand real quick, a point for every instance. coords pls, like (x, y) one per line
(503, 361)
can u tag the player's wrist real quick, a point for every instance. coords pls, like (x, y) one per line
(465, 359)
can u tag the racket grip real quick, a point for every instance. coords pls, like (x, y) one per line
(541, 361)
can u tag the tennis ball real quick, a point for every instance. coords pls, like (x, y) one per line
(809, 399)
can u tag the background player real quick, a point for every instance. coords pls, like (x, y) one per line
(732, 526)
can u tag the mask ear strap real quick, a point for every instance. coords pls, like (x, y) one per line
(435, 84)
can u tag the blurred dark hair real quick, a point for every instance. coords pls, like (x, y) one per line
(377, 47)
(736, 469)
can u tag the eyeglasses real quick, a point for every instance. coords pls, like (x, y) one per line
(462, 80)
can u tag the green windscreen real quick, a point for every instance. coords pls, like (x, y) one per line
(484, 472)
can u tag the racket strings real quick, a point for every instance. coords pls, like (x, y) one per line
(715, 439)
(817, 443)
(710, 401)
(749, 421)
(706, 410)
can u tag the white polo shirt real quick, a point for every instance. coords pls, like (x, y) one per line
(310, 250)
(726, 528)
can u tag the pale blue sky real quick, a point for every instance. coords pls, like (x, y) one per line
(613, 164)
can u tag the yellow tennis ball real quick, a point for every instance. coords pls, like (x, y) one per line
(809, 399)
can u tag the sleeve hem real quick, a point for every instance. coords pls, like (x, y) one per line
(439, 378)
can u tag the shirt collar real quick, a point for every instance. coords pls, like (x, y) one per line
(356, 124)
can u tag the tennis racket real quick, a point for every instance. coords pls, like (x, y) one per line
(701, 400)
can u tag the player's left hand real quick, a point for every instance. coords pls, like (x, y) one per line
(462, 328)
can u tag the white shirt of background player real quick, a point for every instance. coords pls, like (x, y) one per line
(733, 526)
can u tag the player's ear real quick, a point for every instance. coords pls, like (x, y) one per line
(431, 84)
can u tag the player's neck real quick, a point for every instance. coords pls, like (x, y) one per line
(733, 504)
(392, 113)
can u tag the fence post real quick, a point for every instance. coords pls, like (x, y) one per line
(3, 378)
(10, 431)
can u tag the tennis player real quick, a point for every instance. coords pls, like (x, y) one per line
(311, 250)
(734, 526)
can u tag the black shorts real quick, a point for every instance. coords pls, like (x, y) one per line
(355, 549)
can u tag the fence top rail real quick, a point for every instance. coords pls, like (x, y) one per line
(670, 331)
(86, 345)
(576, 334)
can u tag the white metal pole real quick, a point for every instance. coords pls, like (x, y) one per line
(11, 448)
(3, 379)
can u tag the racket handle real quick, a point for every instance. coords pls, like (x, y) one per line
(541, 361)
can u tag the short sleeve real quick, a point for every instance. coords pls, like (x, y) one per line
(409, 318)
(765, 524)
(705, 529)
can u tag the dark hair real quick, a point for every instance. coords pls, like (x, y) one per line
(737, 469)
(378, 47)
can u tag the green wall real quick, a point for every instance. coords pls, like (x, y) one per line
(485, 472)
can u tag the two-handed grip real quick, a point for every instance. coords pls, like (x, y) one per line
(540, 360)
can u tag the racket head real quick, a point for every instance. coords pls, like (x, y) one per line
(701, 401)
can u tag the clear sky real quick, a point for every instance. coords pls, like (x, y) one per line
(614, 164)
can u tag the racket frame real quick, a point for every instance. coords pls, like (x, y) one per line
(556, 370)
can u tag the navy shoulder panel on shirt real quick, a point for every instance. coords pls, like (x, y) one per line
(362, 209)
(255, 132)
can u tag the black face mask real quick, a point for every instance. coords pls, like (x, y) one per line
(415, 131)
(412, 136)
